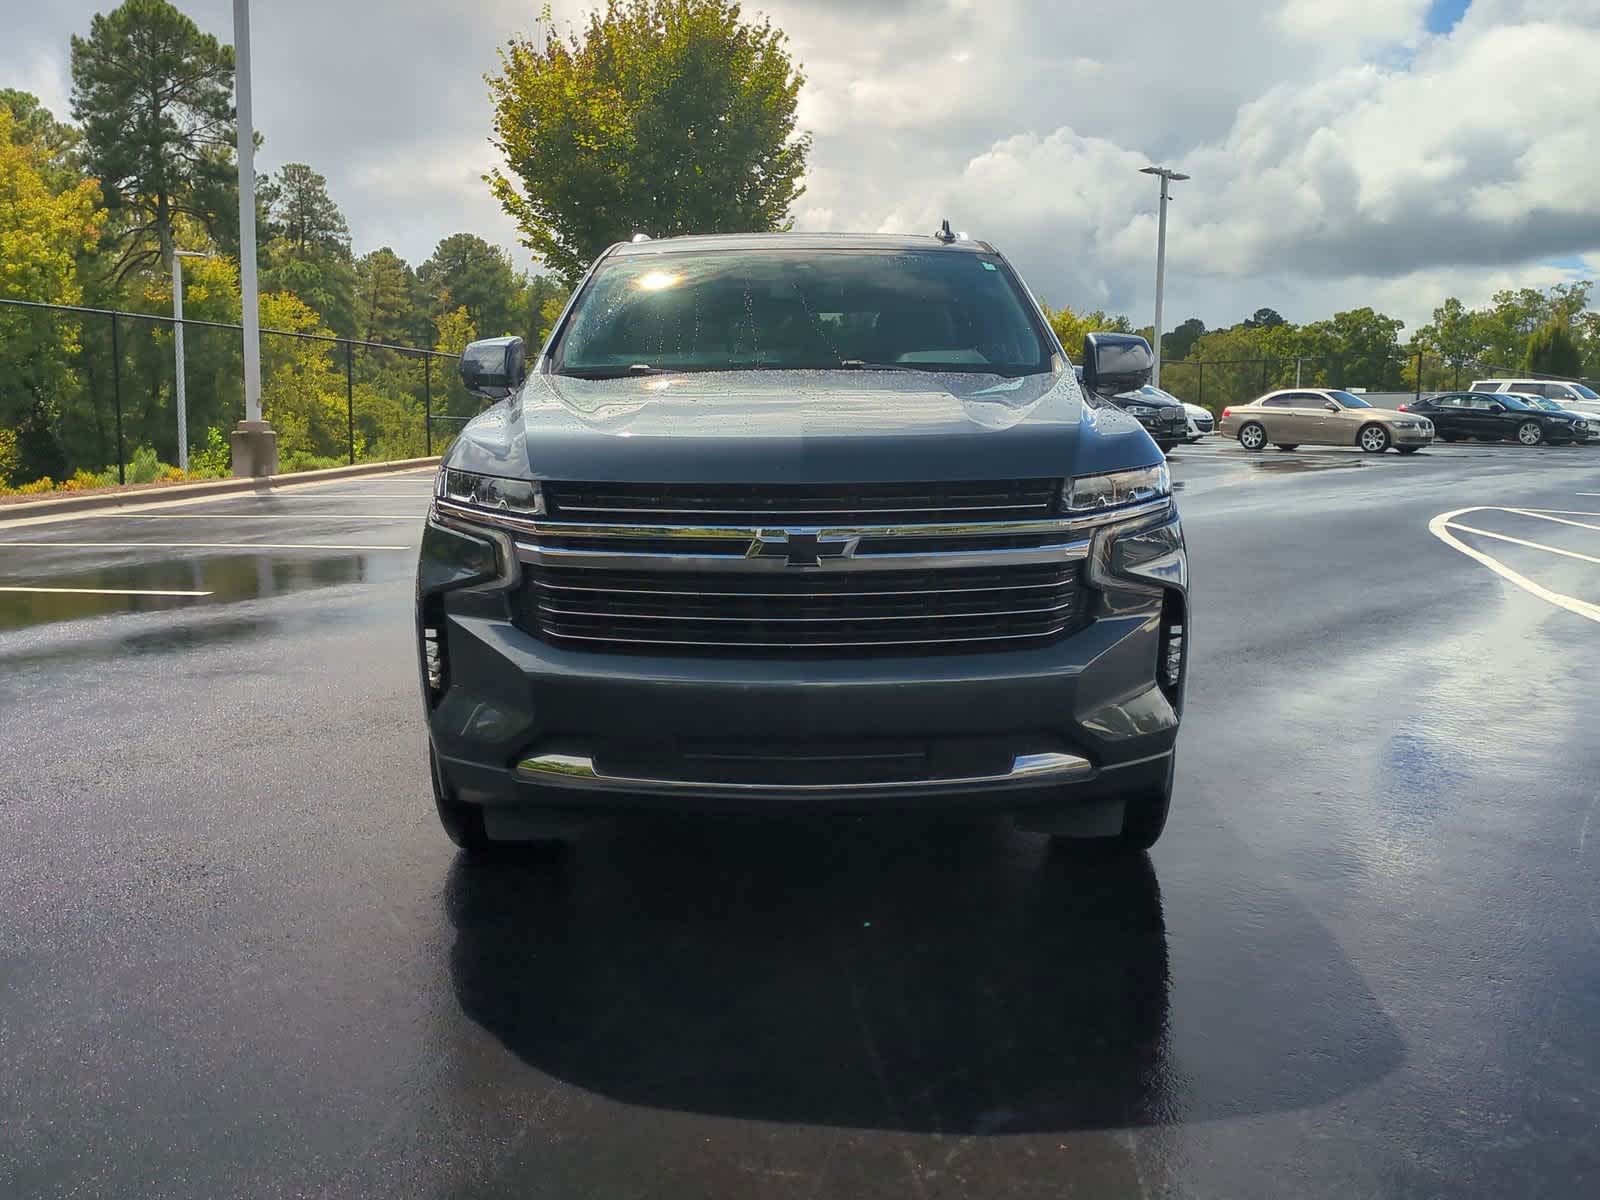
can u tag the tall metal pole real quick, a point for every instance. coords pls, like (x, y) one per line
(1161, 279)
(250, 314)
(1167, 177)
(116, 395)
(179, 391)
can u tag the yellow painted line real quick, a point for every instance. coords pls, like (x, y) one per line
(195, 546)
(53, 591)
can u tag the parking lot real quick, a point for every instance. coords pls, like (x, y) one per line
(238, 957)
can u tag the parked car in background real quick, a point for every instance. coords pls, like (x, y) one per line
(1161, 413)
(1201, 422)
(1323, 417)
(1587, 429)
(1497, 416)
(1574, 397)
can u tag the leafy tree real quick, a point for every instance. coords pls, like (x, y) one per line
(1264, 318)
(1552, 351)
(154, 96)
(455, 331)
(57, 142)
(466, 271)
(386, 298)
(300, 211)
(665, 116)
(1177, 344)
(1358, 348)
(42, 232)
(1070, 326)
(540, 306)
(307, 251)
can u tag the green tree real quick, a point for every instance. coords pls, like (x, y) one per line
(1552, 351)
(57, 142)
(455, 331)
(1358, 348)
(42, 233)
(307, 251)
(1070, 326)
(386, 299)
(539, 306)
(665, 117)
(1177, 344)
(300, 211)
(1264, 318)
(155, 98)
(466, 271)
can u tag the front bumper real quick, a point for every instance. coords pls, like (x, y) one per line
(1411, 437)
(520, 725)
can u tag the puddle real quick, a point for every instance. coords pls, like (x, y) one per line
(229, 578)
(1293, 466)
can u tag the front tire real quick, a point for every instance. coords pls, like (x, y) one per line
(1374, 439)
(463, 823)
(1144, 817)
(1252, 435)
(1529, 433)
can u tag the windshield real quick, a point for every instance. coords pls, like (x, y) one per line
(1150, 392)
(1588, 393)
(926, 310)
(1540, 402)
(1513, 402)
(1349, 400)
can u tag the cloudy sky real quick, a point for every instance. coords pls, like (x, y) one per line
(1344, 152)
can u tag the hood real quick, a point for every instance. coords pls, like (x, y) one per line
(801, 427)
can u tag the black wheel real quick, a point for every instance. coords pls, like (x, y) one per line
(1408, 449)
(463, 823)
(1286, 446)
(1252, 435)
(1530, 433)
(1144, 816)
(1374, 438)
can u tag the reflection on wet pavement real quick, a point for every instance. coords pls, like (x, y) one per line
(227, 578)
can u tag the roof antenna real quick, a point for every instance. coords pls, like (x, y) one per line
(944, 235)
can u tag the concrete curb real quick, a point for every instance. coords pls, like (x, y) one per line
(210, 487)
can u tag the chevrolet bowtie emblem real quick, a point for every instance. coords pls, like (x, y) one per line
(801, 548)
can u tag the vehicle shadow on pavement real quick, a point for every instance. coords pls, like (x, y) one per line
(956, 979)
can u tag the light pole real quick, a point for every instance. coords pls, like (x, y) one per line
(1167, 176)
(179, 389)
(255, 446)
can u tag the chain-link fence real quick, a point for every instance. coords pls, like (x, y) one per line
(1217, 384)
(95, 400)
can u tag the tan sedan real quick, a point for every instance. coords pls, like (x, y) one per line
(1323, 417)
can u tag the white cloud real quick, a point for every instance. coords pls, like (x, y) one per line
(1341, 154)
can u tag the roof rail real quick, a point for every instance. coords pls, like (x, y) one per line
(640, 237)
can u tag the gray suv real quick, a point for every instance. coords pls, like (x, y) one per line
(803, 523)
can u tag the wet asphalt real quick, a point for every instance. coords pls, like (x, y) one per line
(238, 958)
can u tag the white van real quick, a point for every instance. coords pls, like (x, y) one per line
(1574, 397)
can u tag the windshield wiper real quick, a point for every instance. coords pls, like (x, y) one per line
(614, 372)
(861, 364)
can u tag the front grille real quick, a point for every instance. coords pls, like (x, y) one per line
(803, 614)
(802, 504)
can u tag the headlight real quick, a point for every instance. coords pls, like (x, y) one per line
(1406, 425)
(1094, 493)
(1139, 410)
(492, 493)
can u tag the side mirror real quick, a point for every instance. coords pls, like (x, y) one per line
(1497, 408)
(1330, 406)
(494, 368)
(1116, 362)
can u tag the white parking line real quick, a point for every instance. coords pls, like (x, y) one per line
(1541, 514)
(1441, 527)
(195, 546)
(54, 591)
(1516, 541)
